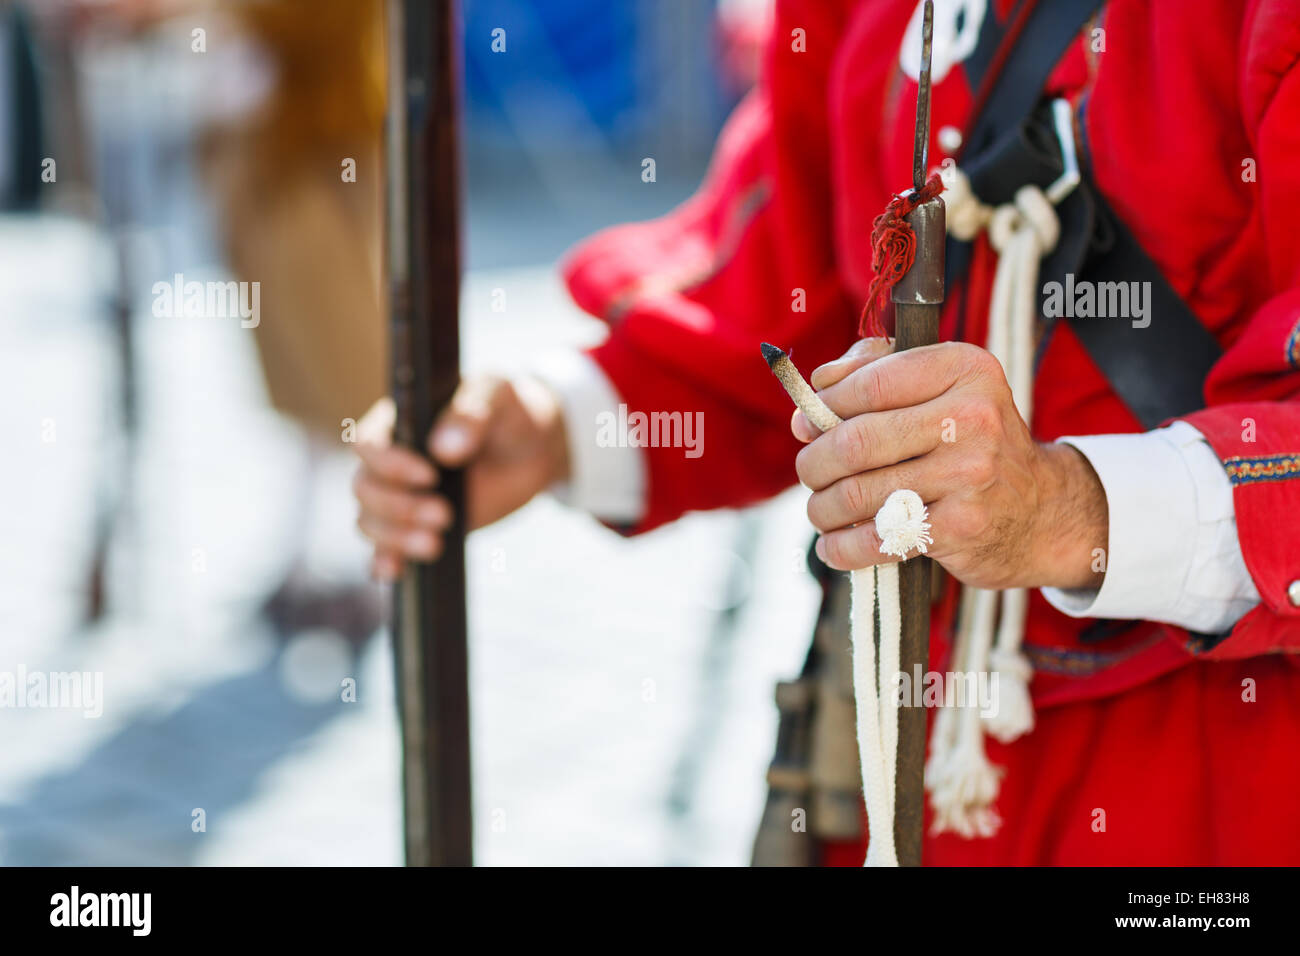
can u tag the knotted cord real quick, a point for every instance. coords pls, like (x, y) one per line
(893, 250)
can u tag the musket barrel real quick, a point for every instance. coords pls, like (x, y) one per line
(917, 298)
(429, 613)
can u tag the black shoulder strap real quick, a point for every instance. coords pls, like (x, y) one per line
(991, 157)
(1158, 366)
(1052, 26)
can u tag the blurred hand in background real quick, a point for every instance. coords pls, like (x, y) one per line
(508, 434)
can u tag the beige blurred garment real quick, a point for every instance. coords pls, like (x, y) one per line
(291, 222)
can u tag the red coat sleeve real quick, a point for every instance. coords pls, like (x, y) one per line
(749, 258)
(1253, 418)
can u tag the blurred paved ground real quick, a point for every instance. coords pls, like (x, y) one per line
(613, 723)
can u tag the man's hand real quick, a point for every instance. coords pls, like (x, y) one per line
(1005, 511)
(509, 435)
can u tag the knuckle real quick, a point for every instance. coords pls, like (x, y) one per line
(850, 445)
(870, 390)
(854, 495)
(384, 462)
(983, 416)
(976, 360)
(977, 470)
(402, 508)
(971, 521)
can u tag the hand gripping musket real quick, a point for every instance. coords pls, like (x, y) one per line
(917, 298)
(429, 619)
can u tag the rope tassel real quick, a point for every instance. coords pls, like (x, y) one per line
(1013, 713)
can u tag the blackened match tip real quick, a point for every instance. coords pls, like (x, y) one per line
(771, 354)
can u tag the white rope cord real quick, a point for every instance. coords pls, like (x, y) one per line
(903, 526)
(876, 790)
(963, 784)
(891, 633)
(1022, 234)
(944, 734)
(1013, 715)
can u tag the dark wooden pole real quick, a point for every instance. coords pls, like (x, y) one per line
(917, 299)
(429, 619)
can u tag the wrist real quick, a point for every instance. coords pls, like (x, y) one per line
(1072, 532)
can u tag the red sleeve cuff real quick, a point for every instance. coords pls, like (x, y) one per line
(1259, 445)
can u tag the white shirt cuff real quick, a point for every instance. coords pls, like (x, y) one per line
(1174, 554)
(608, 480)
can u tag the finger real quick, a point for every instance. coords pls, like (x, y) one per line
(906, 378)
(399, 506)
(376, 425)
(459, 432)
(870, 441)
(397, 465)
(857, 497)
(386, 565)
(851, 549)
(860, 353)
(954, 524)
(418, 544)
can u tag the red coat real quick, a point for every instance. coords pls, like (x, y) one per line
(1141, 725)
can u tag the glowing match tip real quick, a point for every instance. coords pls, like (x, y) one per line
(771, 354)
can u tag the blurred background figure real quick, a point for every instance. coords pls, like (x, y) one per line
(178, 522)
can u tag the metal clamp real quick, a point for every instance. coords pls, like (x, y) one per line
(1069, 178)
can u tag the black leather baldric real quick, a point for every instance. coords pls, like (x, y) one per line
(1158, 368)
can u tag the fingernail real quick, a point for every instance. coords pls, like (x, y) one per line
(821, 549)
(450, 441)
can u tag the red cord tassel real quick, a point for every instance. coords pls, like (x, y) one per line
(893, 250)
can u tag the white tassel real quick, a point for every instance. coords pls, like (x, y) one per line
(903, 524)
(964, 784)
(943, 737)
(1012, 714)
